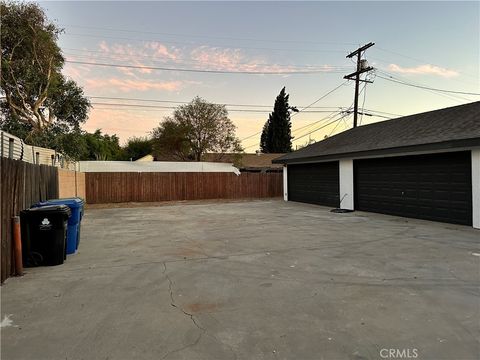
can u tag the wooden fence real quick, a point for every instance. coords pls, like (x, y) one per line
(21, 185)
(115, 187)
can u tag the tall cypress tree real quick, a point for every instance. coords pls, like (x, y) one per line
(276, 134)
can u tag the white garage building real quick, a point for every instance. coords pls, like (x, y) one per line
(424, 166)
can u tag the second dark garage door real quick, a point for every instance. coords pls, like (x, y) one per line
(434, 187)
(314, 183)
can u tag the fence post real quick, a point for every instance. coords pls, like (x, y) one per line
(17, 246)
(10, 148)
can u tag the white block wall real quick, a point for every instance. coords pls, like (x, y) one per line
(476, 187)
(156, 166)
(346, 184)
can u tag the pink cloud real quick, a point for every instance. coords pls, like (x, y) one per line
(127, 85)
(237, 60)
(225, 59)
(123, 122)
(134, 55)
(426, 69)
(76, 71)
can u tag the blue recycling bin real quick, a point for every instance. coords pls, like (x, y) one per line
(76, 206)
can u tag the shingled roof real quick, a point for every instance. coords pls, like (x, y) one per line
(245, 161)
(452, 127)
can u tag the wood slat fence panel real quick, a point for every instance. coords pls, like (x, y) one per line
(21, 185)
(117, 187)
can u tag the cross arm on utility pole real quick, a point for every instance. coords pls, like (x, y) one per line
(359, 50)
(350, 76)
(356, 76)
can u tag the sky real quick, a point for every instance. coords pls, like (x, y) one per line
(431, 44)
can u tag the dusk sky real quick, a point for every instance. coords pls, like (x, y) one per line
(433, 44)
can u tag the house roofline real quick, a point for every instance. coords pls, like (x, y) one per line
(451, 144)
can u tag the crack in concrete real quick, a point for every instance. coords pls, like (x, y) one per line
(197, 340)
(203, 331)
(172, 300)
(173, 304)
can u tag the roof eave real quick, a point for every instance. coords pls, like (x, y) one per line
(444, 145)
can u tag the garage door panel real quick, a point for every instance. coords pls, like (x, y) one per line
(314, 183)
(435, 187)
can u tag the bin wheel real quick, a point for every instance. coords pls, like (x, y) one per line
(35, 259)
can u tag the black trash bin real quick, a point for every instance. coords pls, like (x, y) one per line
(44, 232)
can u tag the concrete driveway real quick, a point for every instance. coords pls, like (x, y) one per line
(251, 280)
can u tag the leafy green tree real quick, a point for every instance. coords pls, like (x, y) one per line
(136, 148)
(276, 134)
(195, 129)
(39, 101)
(265, 139)
(170, 141)
(101, 146)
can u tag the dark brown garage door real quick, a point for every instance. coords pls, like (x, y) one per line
(433, 187)
(314, 183)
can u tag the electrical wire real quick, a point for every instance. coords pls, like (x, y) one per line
(420, 61)
(207, 36)
(197, 44)
(321, 127)
(332, 114)
(455, 97)
(92, 54)
(390, 78)
(384, 112)
(198, 70)
(322, 97)
(301, 110)
(174, 107)
(187, 102)
(338, 123)
(363, 105)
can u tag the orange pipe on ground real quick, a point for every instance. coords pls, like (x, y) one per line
(17, 246)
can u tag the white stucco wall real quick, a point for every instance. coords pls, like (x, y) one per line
(476, 187)
(285, 183)
(156, 166)
(346, 184)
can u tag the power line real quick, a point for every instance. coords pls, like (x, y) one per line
(174, 107)
(321, 98)
(332, 114)
(414, 59)
(338, 123)
(455, 97)
(187, 102)
(390, 78)
(117, 55)
(301, 110)
(321, 127)
(207, 36)
(192, 43)
(364, 97)
(196, 70)
(384, 112)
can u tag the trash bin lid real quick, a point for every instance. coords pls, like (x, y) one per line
(50, 209)
(72, 202)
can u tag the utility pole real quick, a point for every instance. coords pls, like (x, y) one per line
(361, 68)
